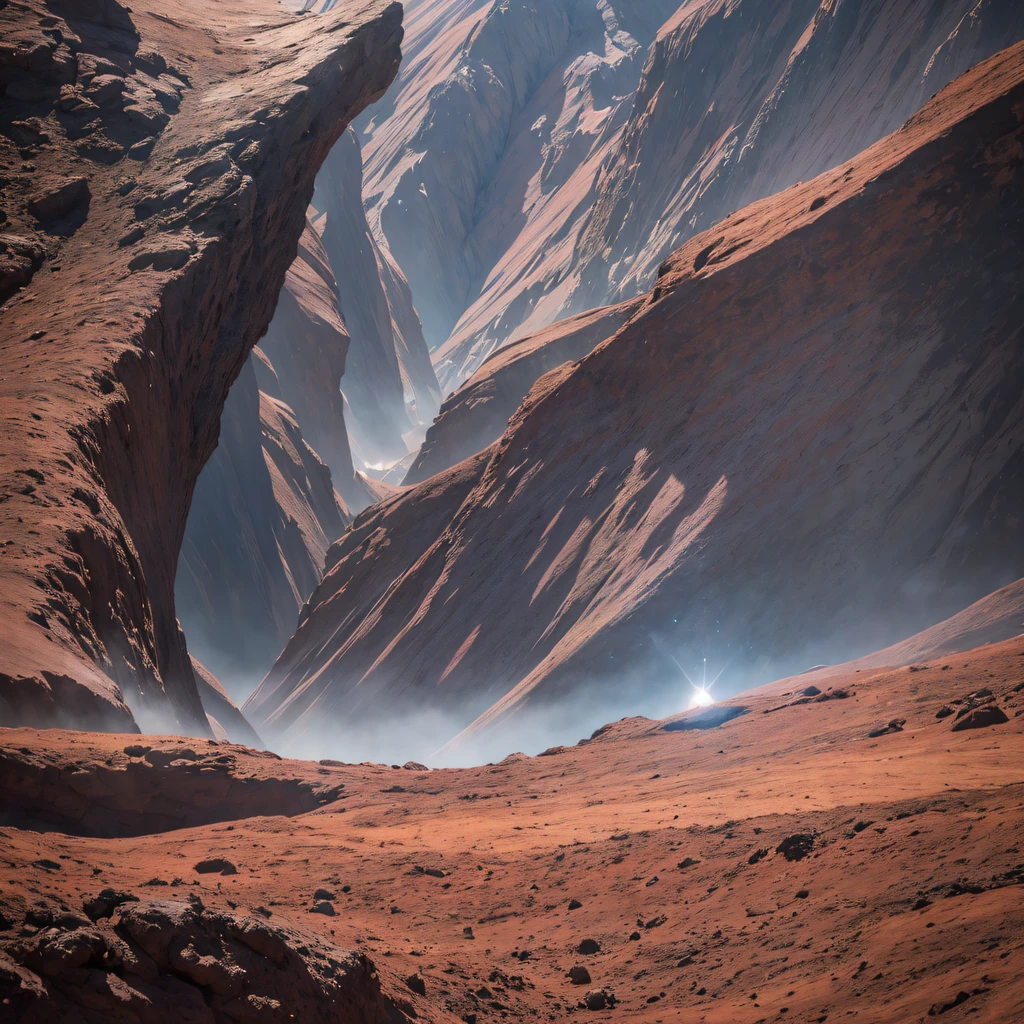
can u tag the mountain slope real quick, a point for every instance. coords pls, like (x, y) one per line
(477, 413)
(482, 160)
(808, 441)
(516, 191)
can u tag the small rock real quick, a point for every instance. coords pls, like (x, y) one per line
(939, 1008)
(323, 907)
(796, 847)
(588, 947)
(634, 936)
(981, 718)
(687, 862)
(757, 855)
(215, 865)
(416, 984)
(106, 903)
(896, 725)
(415, 766)
(598, 999)
(59, 201)
(324, 894)
(944, 712)
(104, 88)
(810, 691)
(575, 904)
(579, 975)
(802, 894)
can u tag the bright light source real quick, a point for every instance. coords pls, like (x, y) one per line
(701, 699)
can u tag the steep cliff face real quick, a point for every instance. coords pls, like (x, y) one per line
(478, 413)
(389, 382)
(303, 361)
(808, 437)
(263, 515)
(157, 171)
(228, 723)
(482, 162)
(516, 191)
(265, 509)
(807, 85)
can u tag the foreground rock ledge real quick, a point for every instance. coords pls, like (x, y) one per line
(175, 961)
(157, 173)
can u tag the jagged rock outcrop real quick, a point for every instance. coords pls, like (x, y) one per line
(478, 413)
(389, 382)
(157, 171)
(168, 961)
(810, 436)
(90, 785)
(481, 164)
(515, 191)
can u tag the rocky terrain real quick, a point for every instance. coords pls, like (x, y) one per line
(805, 444)
(103, 784)
(847, 846)
(157, 168)
(533, 161)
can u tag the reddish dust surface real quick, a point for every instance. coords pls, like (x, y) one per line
(898, 893)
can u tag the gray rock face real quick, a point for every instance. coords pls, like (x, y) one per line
(482, 162)
(263, 515)
(699, 145)
(534, 161)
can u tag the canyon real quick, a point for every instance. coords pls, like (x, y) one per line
(511, 511)
(691, 489)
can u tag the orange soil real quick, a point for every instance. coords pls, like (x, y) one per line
(608, 822)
